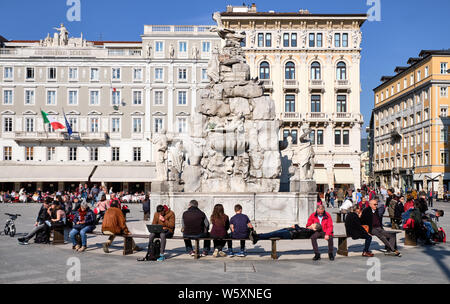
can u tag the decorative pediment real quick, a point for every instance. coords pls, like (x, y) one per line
(8, 112)
(73, 112)
(183, 114)
(159, 114)
(94, 113)
(138, 113)
(51, 112)
(29, 112)
(116, 113)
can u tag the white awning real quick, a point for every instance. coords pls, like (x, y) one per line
(320, 176)
(45, 173)
(134, 174)
(344, 176)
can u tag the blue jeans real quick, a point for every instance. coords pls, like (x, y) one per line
(368, 239)
(282, 234)
(82, 233)
(332, 201)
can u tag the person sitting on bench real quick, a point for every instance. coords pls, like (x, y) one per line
(84, 222)
(355, 230)
(195, 225)
(323, 218)
(40, 224)
(165, 217)
(294, 232)
(114, 223)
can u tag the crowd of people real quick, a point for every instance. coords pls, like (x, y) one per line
(80, 211)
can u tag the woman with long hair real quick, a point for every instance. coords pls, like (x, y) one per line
(220, 225)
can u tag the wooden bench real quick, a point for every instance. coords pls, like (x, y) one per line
(342, 242)
(58, 235)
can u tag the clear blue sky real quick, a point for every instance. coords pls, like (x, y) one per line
(406, 26)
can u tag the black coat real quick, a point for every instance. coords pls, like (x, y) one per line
(353, 226)
(195, 222)
(367, 218)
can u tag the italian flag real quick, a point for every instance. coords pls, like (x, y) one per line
(48, 119)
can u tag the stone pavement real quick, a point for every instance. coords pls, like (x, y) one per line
(38, 263)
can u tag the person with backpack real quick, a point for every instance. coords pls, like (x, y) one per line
(84, 222)
(40, 227)
(166, 218)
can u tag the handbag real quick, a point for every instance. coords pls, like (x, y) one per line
(366, 227)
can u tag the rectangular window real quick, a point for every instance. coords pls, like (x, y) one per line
(312, 40)
(182, 125)
(427, 71)
(73, 122)
(182, 74)
(51, 73)
(29, 97)
(115, 125)
(137, 97)
(51, 153)
(268, 40)
(159, 46)
(115, 154)
(73, 98)
(419, 74)
(293, 40)
(289, 103)
(346, 137)
(29, 124)
(286, 40)
(7, 124)
(94, 98)
(137, 125)
(342, 103)
(337, 137)
(182, 46)
(158, 98)
(344, 40)
(137, 74)
(444, 92)
(29, 153)
(319, 40)
(93, 154)
(260, 40)
(8, 97)
(312, 137)
(319, 137)
(315, 104)
(444, 158)
(158, 125)
(443, 112)
(30, 73)
(444, 68)
(8, 73)
(444, 134)
(182, 98)
(116, 73)
(337, 40)
(73, 73)
(159, 74)
(51, 98)
(137, 154)
(204, 74)
(94, 125)
(206, 46)
(115, 98)
(7, 153)
(95, 74)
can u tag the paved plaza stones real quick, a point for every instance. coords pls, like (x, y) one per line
(38, 263)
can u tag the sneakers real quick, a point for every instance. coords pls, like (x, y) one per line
(191, 253)
(253, 236)
(161, 258)
(222, 254)
(367, 254)
(82, 249)
(393, 253)
(331, 256)
(22, 241)
(216, 253)
(230, 253)
(105, 248)
(204, 253)
(76, 248)
(241, 254)
(316, 257)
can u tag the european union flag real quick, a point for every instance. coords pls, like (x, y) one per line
(69, 128)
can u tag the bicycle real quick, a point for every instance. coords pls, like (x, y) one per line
(10, 227)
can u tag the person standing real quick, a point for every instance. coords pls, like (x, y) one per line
(146, 207)
(324, 219)
(340, 197)
(430, 198)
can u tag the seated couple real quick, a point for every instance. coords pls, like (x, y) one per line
(294, 232)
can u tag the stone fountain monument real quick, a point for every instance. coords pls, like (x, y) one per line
(232, 154)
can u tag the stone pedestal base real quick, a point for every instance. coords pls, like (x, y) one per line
(304, 186)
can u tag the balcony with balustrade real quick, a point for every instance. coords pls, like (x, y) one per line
(60, 137)
(316, 117)
(290, 116)
(291, 85)
(316, 85)
(268, 84)
(342, 85)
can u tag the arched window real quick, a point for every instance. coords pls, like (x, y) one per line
(289, 70)
(315, 71)
(341, 71)
(264, 70)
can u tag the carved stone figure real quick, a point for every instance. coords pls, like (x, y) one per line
(195, 52)
(149, 50)
(213, 66)
(304, 156)
(63, 34)
(161, 145)
(171, 51)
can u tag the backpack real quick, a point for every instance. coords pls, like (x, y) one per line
(153, 251)
(440, 236)
(409, 224)
(43, 236)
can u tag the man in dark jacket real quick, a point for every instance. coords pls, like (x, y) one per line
(371, 217)
(40, 224)
(356, 231)
(195, 224)
(146, 207)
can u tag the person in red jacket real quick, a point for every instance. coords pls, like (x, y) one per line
(324, 218)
